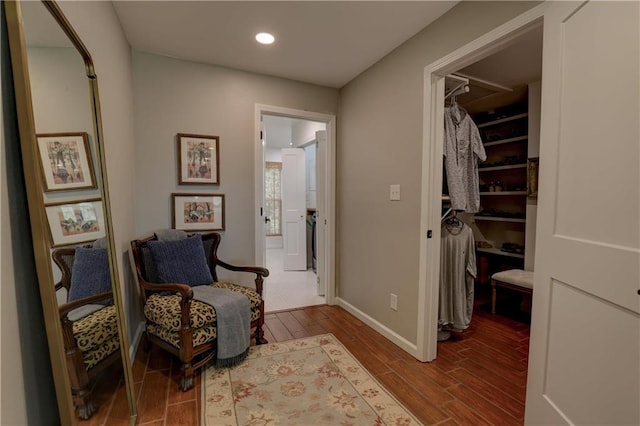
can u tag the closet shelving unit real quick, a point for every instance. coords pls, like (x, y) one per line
(503, 181)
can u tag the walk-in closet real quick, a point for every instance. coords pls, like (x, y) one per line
(489, 201)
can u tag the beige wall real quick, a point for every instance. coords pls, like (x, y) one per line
(174, 96)
(379, 144)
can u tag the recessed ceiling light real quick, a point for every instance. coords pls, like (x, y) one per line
(265, 38)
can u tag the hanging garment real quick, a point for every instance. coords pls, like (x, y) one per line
(457, 274)
(462, 150)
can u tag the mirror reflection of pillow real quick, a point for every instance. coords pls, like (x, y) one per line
(90, 273)
(181, 261)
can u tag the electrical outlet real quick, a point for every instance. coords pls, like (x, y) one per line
(394, 302)
(394, 193)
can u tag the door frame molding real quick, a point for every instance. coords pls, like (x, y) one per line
(330, 192)
(432, 151)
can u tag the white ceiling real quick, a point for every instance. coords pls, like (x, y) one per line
(321, 42)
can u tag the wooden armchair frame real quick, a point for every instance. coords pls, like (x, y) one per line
(192, 358)
(79, 375)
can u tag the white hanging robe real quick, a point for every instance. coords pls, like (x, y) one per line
(457, 274)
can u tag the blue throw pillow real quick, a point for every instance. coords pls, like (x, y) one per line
(89, 273)
(181, 261)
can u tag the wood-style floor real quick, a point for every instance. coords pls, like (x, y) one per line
(477, 379)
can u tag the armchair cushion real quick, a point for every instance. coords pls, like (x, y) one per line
(181, 261)
(164, 311)
(90, 273)
(163, 315)
(97, 335)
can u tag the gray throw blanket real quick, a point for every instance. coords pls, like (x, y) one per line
(233, 314)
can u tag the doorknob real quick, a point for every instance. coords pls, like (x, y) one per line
(266, 219)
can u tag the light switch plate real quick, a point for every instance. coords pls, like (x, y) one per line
(394, 193)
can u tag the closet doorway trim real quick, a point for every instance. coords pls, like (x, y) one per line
(432, 147)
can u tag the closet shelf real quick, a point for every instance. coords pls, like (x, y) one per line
(500, 252)
(508, 167)
(504, 193)
(503, 120)
(501, 219)
(503, 141)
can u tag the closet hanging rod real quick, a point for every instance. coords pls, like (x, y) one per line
(458, 90)
(461, 87)
(486, 83)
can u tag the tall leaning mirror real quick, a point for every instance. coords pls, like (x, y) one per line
(67, 189)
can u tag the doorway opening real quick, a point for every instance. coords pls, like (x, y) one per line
(294, 193)
(473, 61)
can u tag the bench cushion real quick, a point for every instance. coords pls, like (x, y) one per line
(516, 277)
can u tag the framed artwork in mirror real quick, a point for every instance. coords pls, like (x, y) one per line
(532, 177)
(75, 222)
(197, 212)
(198, 159)
(65, 160)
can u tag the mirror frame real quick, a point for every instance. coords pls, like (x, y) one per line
(37, 215)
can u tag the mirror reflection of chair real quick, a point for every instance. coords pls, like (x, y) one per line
(170, 266)
(88, 319)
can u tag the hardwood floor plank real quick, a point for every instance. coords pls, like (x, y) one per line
(419, 405)
(462, 414)
(482, 407)
(267, 334)
(158, 359)
(278, 330)
(290, 322)
(184, 413)
(427, 370)
(371, 363)
(303, 317)
(491, 393)
(152, 402)
(498, 356)
(410, 372)
(489, 376)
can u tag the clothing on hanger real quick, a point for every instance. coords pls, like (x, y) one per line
(462, 150)
(457, 274)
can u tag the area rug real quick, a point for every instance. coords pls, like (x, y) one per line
(309, 381)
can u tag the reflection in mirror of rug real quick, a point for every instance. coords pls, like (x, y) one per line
(313, 380)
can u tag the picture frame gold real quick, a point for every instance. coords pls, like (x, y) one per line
(198, 159)
(533, 165)
(197, 212)
(65, 161)
(75, 222)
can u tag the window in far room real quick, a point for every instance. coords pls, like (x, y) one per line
(273, 198)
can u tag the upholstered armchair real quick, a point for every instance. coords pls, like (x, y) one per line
(88, 319)
(170, 267)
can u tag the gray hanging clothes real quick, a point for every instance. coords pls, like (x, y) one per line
(462, 150)
(457, 274)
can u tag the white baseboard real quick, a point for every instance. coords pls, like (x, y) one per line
(133, 346)
(407, 346)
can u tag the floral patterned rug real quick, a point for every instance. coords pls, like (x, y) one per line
(307, 381)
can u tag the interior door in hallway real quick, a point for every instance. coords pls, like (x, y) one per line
(294, 210)
(584, 363)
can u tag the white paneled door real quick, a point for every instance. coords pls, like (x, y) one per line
(321, 220)
(584, 365)
(294, 210)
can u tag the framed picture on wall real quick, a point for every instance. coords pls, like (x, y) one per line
(532, 177)
(197, 212)
(75, 222)
(198, 159)
(65, 161)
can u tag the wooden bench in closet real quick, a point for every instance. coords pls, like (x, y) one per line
(513, 279)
